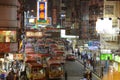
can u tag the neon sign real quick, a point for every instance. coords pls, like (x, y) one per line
(42, 10)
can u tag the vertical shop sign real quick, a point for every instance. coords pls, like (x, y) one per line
(42, 10)
(54, 15)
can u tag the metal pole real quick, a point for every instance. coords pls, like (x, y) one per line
(61, 21)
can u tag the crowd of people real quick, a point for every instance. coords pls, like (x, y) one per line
(14, 71)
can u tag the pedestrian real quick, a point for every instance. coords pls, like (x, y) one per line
(85, 76)
(79, 55)
(72, 51)
(10, 75)
(89, 75)
(102, 69)
(84, 63)
(65, 75)
(2, 76)
(93, 64)
(17, 75)
(91, 61)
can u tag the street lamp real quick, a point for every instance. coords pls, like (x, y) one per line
(62, 16)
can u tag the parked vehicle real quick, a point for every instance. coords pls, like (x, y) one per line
(70, 57)
(55, 69)
(35, 71)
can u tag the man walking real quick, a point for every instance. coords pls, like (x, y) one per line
(84, 63)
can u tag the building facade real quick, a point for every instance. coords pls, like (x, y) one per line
(8, 26)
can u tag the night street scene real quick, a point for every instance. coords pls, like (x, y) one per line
(59, 40)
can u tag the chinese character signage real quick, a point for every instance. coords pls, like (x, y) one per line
(106, 56)
(54, 16)
(42, 10)
(33, 34)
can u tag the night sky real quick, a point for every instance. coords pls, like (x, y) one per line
(32, 4)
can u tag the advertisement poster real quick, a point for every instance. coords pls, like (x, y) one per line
(13, 47)
(4, 47)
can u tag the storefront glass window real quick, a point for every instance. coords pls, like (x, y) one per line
(7, 36)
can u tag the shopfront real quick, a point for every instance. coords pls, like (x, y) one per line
(106, 58)
(8, 59)
(116, 63)
(8, 41)
(8, 45)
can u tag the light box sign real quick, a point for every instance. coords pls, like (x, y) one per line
(31, 20)
(42, 10)
(106, 56)
(33, 34)
(48, 21)
(117, 58)
(8, 36)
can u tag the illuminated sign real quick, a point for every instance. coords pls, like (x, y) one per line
(33, 34)
(31, 20)
(42, 10)
(48, 21)
(106, 56)
(42, 0)
(117, 58)
(8, 36)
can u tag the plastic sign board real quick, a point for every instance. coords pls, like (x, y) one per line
(48, 21)
(42, 10)
(117, 58)
(105, 56)
(33, 34)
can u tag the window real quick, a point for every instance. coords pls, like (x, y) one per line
(109, 9)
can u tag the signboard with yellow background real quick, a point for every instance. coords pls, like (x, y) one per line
(42, 12)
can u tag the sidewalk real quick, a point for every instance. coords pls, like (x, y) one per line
(97, 70)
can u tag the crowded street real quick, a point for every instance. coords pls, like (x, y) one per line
(59, 39)
(76, 71)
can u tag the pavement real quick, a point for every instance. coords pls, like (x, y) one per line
(97, 70)
(95, 73)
